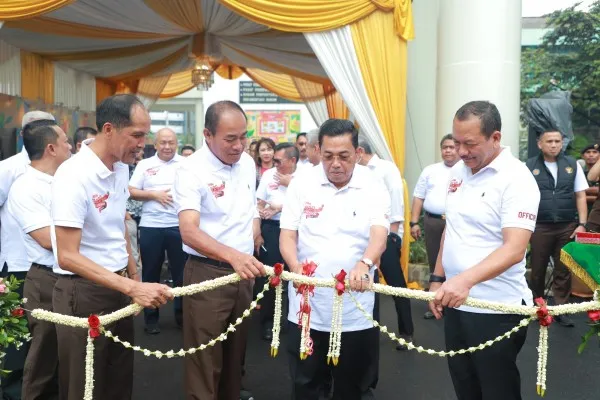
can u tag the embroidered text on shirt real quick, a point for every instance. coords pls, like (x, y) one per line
(311, 211)
(217, 190)
(100, 201)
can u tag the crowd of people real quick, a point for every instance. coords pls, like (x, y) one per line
(97, 227)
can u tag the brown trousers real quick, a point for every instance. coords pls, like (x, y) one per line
(40, 376)
(434, 227)
(113, 364)
(216, 372)
(547, 240)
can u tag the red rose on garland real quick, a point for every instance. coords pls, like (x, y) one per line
(594, 315)
(276, 280)
(94, 323)
(17, 312)
(542, 313)
(340, 285)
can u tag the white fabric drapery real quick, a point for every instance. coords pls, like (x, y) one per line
(149, 89)
(74, 88)
(10, 69)
(335, 51)
(318, 111)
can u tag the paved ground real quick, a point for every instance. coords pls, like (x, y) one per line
(403, 375)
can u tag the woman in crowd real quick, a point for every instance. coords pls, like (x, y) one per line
(264, 156)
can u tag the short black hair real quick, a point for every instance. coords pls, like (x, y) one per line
(488, 115)
(214, 111)
(298, 136)
(290, 150)
(116, 110)
(37, 138)
(82, 133)
(337, 127)
(188, 147)
(446, 137)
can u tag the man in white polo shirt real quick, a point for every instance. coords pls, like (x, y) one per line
(220, 227)
(151, 183)
(430, 195)
(313, 153)
(337, 216)
(491, 207)
(29, 202)
(302, 146)
(98, 274)
(13, 254)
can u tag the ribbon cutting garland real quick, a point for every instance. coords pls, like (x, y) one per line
(306, 283)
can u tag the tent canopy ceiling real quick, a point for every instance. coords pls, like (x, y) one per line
(124, 40)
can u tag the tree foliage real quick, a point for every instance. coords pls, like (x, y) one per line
(568, 59)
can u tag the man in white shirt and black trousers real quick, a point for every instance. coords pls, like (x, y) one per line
(29, 202)
(98, 274)
(336, 215)
(491, 207)
(151, 182)
(220, 227)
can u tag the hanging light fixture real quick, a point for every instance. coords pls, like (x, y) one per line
(202, 74)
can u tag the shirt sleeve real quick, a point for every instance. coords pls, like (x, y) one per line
(380, 210)
(187, 190)
(31, 211)
(137, 179)
(396, 190)
(291, 213)
(581, 182)
(69, 202)
(421, 186)
(261, 192)
(520, 203)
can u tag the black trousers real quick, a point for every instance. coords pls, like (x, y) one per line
(353, 377)
(270, 233)
(14, 360)
(392, 272)
(153, 244)
(489, 374)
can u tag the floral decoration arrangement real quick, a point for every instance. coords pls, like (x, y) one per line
(13, 322)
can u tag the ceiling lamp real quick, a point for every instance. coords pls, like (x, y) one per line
(202, 74)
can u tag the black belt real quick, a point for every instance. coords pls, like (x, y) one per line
(42, 266)
(121, 272)
(210, 261)
(436, 216)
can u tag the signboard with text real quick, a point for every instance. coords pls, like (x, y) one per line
(252, 93)
(281, 126)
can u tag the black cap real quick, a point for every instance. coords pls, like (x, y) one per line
(591, 147)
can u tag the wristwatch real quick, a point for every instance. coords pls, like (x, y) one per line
(368, 262)
(436, 278)
(413, 224)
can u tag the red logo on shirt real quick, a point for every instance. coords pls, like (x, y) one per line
(454, 185)
(217, 190)
(526, 215)
(311, 211)
(151, 171)
(273, 185)
(100, 201)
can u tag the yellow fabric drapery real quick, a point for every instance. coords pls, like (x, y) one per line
(376, 50)
(184, 13)
(280, 84)
(228, 71)
(178, 83)
(152, 68)
(319, 15)
(37, 78)
(104, 89)
(336, 108)
(20, 9)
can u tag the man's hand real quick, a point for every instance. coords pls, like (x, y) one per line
(269, 212)
(578, 229)
(453, 292)
(436, 310)
(163, 197)
(415, 232)
(150, 295)
(258, 242)
(360, 279)
(246, 266)
(282, 179)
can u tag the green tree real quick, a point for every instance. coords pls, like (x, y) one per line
(568, 59)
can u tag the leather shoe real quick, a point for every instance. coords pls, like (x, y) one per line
(401, 347)
(152, 329)
(565, 321)
(428, 315)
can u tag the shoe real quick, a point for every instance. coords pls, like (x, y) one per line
(152, 329)
(267, 332)
(428, 315)
(402, 347)
(246, 395)
(565, 321)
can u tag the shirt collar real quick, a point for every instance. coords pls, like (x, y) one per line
(373, 161)
(356, 181)
(40, 175)
(497, 163)
(214, 163)
(175, 158)
(95, 162)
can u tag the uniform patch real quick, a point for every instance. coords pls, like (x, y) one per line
(569, 170)
(100, 201)
(536, 171)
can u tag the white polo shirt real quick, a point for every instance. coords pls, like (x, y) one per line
(390, 175)
(271, 191)
(303, 165)
(333, 231)
(155, 174)
(432, 187)
(225, 196)
(88, 196)
(12, 247)
(502, 195)
(29, 203)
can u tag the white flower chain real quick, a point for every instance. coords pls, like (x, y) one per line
(542, 362)
(335, 334)
(409, 345)
(277, 319)
(88, 393)
(305, 335)
(182, 353)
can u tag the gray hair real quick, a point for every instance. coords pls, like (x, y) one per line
(312, 137)
(364, 143)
